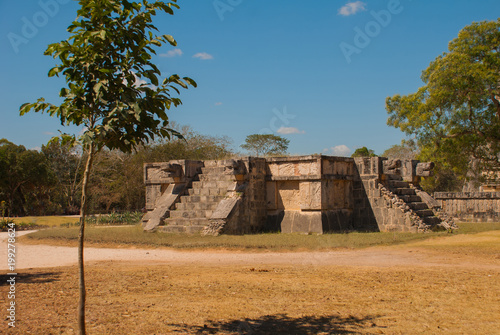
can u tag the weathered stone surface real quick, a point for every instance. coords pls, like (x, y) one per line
(271, 195)
(424, 169)
(309, 194)
(224, 208)
(470, 206)
(301, 222)
(162, 206)
(288, 195)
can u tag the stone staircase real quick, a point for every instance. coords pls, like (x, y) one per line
(408, 194)
(194, 210)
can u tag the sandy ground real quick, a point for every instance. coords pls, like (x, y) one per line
(40, 256)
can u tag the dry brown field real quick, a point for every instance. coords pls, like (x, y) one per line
(452, 287)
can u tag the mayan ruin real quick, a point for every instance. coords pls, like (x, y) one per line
(250, 167)
(304, 194)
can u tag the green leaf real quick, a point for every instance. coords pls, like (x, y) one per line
(25, 108)
(54, 71)
(170, 39)
(190, 81)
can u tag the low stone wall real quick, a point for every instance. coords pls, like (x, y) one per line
(470, 206)
(304, 194)
(310, 194)
(376, 210)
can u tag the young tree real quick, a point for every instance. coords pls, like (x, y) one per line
(455, 116)
(113, 88)
(266, 144)
(363, 152)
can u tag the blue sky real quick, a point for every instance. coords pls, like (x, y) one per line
(315, 72)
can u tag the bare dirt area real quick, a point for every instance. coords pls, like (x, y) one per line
(408, 289)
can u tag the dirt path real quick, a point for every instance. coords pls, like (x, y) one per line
(40, 256)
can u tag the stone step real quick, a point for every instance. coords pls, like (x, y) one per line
(397, 184)
(188, 214)
(417, 205)
(217, 177)
(431, 220)
(207, 191)
(393, 177)
(178, 229)
(405, 191)
(215, 170)
(425, 212)
(185, 221)
(410, 198)
(210, 205)
(211, 184)
(202, 198)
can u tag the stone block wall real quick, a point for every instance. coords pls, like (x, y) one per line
(470, 206)
(303, 194)
(158, 176)
(387, 215)
(367, 174)
(249, 212)
(376, 208)
(312, 194)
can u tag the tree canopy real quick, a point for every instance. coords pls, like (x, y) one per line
(405, 150)
(455, 116)
(114, 90)
(363, 152)
(25, 177)
(266, 144)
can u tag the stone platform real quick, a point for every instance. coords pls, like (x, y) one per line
(303, 194)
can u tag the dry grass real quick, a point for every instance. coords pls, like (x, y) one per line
(483, 244)
(138, 299)
(454, 297)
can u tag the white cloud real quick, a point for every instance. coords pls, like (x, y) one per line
(172, 53)
(290, 130)
(139, 81)
(203, 56)
(339, 150)
(352, 8)
(49, 133)
(218, 103)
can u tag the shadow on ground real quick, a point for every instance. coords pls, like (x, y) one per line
(283, 324)
(31, 278)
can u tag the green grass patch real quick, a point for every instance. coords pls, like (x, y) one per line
(135, 236)
(46, 221)
(127, 218)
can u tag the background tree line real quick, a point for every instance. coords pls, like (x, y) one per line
(48, 181)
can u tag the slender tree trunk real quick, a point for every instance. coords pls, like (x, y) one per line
(83, 213)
